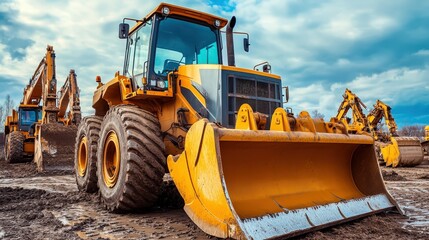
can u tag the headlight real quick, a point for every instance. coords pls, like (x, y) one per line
(216, 23)
(165, 11)
(160, 84)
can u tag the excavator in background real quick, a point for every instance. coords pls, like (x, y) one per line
(359, 125)
(35, 132)
(242, 173)
(425, 142)
(391, 149)
(69, 99)
(395, 150)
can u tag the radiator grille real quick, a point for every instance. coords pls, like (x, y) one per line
(262, 96)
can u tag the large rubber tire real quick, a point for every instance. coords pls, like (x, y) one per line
(15, 147)
(141, 159)
(5, 146)
(86, 150)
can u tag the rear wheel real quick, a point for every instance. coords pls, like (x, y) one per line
(85, 160)
(15, 147)
(130, 159)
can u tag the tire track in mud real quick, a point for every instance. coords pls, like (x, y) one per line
(40, 207)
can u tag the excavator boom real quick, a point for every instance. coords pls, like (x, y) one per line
(395, 150)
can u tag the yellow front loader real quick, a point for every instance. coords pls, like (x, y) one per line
(244, 166)
(36, 131)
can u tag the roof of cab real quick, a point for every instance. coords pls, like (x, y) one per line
(185, 12)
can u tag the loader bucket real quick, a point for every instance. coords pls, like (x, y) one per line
(403, 151)
(54, 147)
(259, 184)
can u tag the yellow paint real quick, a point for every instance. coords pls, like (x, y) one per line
(29, 147)
(391, 153)
(111, 160)
(427, 133)
(82, 156)
(245, 119)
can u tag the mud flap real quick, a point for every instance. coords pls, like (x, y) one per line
(403, 151)
(259, 184)
(54, 147)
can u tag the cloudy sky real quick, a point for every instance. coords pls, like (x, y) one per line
(378, 49)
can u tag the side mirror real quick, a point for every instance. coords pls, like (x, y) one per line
(246, 44)
(286, 94)
(124, 29)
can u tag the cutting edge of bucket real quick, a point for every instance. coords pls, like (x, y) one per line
(292, 223)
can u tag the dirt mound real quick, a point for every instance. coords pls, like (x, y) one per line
(392, 176)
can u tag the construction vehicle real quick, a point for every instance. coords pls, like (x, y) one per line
(34, 132)
(176, 104)
(395, 150)
(391, 149)
(69, 100)
(425, 142)
(359, 125)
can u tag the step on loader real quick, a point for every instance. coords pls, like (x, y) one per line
(244, 166)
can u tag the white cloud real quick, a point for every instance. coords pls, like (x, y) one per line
(394, 87)
(297, 38)
(422, 52)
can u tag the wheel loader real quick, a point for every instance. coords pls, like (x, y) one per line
(245, 167)
(36, 132)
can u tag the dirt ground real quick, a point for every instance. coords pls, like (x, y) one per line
(48, 206)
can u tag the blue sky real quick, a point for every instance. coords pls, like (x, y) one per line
(378, 49)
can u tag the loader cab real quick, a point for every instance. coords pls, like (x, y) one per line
(162, 43)
(27, 117)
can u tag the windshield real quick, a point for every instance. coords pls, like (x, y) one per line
(28, 117)
(181, 42)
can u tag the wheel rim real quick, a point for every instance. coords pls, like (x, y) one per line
(82, 157)
(111, 160)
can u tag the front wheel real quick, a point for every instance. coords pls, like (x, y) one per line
(130, 159)
(15, 147)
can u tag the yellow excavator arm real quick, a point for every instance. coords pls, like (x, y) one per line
(69, 99)
(395, 150)
(382, 110)
(353, 102)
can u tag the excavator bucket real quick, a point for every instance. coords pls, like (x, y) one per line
(259, 184)
(54, 147)
(403, 151)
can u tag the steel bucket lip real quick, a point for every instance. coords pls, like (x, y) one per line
(271, 225)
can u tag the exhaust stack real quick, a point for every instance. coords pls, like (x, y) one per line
(230, 42)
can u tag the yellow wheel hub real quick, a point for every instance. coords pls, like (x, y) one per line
(82, 155)
(111, 160)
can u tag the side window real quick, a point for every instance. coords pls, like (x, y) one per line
(139, 51)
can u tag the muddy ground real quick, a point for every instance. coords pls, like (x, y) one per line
(48, 206)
